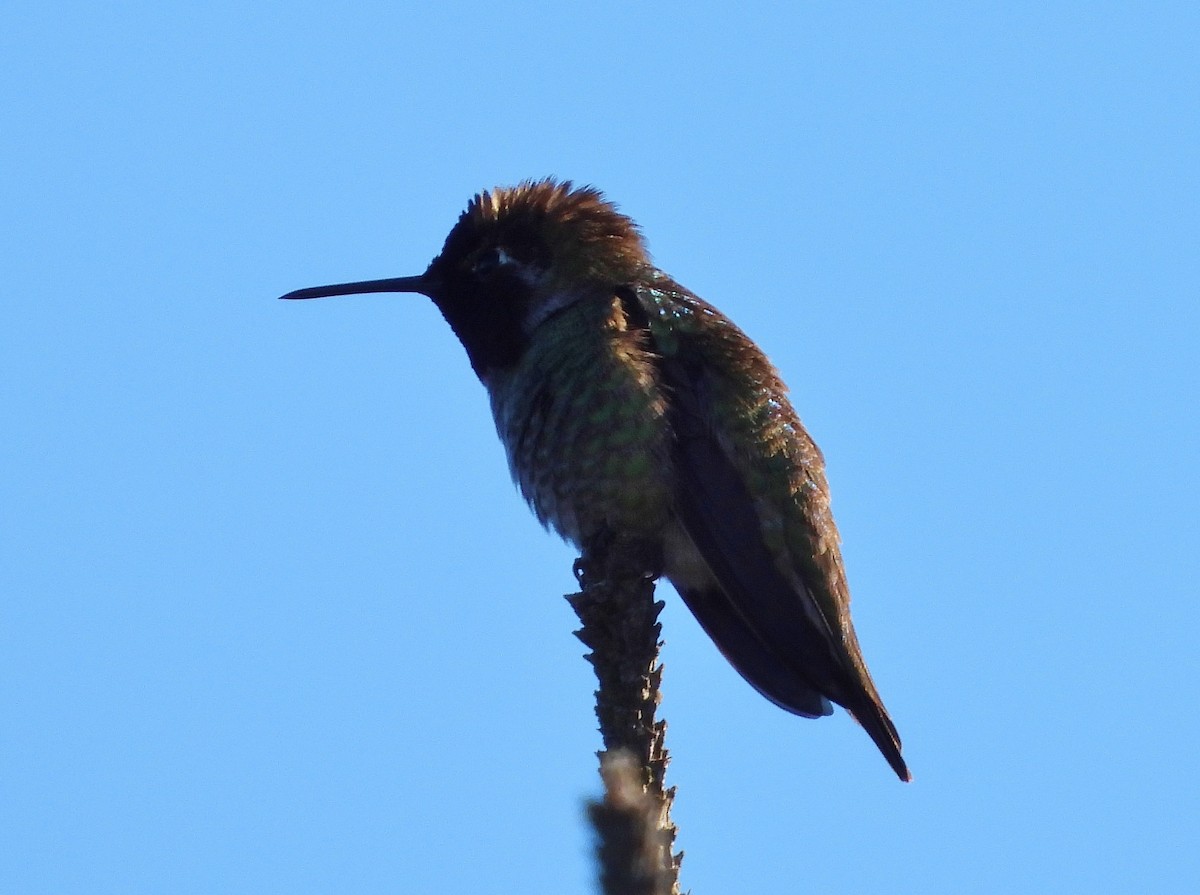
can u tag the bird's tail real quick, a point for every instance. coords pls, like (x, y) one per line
(870, 713)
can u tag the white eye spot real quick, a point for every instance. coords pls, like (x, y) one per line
(491, 260)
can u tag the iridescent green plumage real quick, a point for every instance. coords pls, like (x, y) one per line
(629, 407)
(583, 418)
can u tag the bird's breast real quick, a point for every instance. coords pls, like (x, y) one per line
(582, 417)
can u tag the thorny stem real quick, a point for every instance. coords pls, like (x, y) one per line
(636, 836)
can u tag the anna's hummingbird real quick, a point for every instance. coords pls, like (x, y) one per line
(631, 408)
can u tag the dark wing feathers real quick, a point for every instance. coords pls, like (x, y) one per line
(718, 514)
(779, 639)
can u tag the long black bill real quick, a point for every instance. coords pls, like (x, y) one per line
(394, 284)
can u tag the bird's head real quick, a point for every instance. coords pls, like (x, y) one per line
(516, 257)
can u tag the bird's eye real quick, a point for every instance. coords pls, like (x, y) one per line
(490, 261)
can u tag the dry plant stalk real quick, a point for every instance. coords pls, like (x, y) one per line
(636, 836)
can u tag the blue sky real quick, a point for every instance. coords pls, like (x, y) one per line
(273, 618)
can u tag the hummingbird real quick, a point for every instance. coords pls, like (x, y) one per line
(629, 407)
